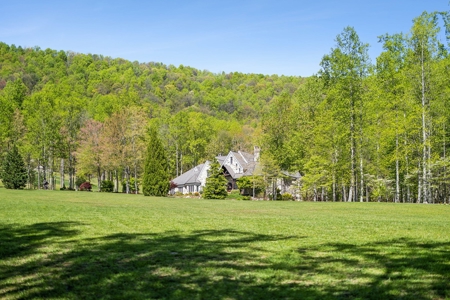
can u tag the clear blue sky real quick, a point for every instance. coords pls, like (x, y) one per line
(285, 37)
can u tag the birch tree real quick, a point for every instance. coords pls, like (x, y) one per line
(344, 70)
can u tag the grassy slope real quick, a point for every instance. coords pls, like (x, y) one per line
(93, 245)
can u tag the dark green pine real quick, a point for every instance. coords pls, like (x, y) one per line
(216, 183)
(156, 180)
(13, 171)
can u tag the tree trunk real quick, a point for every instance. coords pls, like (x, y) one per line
(99, 179)
(61, 184)
(135, 179)
(39, 174)
(116, 181)
(424, 135)
(397, 172)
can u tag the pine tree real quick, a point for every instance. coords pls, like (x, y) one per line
(216, 183)
(13, 172)
(156, 175)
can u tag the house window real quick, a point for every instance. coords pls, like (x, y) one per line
(231, 160)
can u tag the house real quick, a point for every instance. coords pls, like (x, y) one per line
(238, 164)
(193, 180)
(234, 166)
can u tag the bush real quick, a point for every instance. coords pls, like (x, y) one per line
(107, 186)
(196, 194)
(86, 186)
(80, 180)
(287, 197)
(236, 195)
(131, 185)
(216, 183)
(278, 195)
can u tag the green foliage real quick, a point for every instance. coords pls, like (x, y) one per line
(13, 172)
(249, 184)
(216, 183)
(131, 185)
(236, 195)
(287, 197)
(80, 180)
(107, 186)
(156, 179)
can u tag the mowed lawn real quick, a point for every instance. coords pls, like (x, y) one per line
(81, 245)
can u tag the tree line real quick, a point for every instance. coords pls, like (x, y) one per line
(362, 131)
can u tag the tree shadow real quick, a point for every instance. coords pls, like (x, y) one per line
(218, 264)
(19, 240)
(393, 269)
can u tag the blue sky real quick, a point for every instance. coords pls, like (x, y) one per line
(269, 37)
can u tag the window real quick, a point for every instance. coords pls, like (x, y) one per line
(231, 160)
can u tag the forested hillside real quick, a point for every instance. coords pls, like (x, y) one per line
(89, 114)
(360, 130)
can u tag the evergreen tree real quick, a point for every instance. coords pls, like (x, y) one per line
(156, 175)
(13, 172)
(216, 183)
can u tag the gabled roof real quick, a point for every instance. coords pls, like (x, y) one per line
(247, 156)
(241, 160)
(221, 159)
(231, 172)
(190, 177)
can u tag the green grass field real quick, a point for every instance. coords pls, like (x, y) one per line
(81, 245)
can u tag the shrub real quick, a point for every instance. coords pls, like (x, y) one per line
(86, 186)
(196, 194)
(287, 197)
(216, 183)
(107, 186)
(80, 180)
(173, 185)
(278, 195)
(131, 185)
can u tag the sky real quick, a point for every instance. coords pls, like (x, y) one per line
(284, 37)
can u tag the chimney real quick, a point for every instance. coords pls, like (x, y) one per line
(256, 151)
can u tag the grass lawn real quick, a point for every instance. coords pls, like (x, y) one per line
(80, 245)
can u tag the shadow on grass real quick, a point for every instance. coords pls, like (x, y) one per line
(17, 240)
(217, 264)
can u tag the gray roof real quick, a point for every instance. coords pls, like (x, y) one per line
(240, 159)
(250, 169)
(249, 157)
(295, 175)
(231, 172)
(190, 177)
(220, 159)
